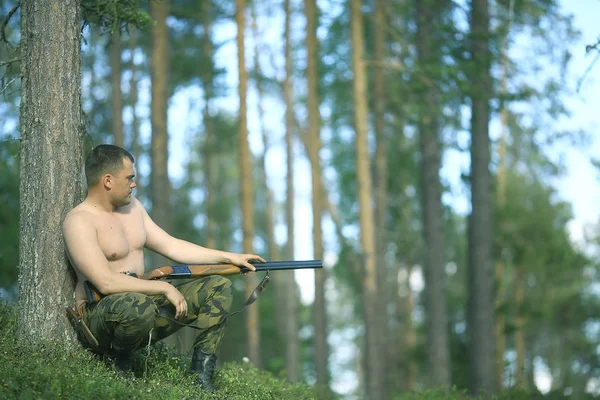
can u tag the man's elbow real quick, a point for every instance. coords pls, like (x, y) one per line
(107, 286)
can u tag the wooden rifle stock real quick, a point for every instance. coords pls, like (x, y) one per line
(199, 271)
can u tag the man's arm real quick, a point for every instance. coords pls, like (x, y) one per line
(184, 252)
(84, 251)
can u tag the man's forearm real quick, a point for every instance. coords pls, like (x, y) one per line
(189, 253)
(119, 283)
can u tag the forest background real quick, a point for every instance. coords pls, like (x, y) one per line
(410, 295)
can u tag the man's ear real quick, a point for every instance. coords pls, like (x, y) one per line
(107, 180)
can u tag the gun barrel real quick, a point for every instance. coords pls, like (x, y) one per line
(275, 265)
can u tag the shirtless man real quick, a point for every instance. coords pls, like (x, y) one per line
(105, 236)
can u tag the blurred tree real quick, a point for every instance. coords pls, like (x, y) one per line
(428, 43)
(160, 185)
(375, 387)
(114, 55)
(291, 293)
(314, 146)
(481, 275)
(245, 165)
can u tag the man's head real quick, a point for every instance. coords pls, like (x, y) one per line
(111, 168)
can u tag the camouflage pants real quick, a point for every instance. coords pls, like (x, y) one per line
(125, 321)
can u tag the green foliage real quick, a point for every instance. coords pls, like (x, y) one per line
(114, 15)
(49, 371)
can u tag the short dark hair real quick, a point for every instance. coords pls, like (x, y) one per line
(105, 158)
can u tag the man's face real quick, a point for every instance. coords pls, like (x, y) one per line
(123, 184)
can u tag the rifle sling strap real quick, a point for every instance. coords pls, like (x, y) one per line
(251, 299)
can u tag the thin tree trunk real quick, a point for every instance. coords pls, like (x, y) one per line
(136, 147)
(51, 159)
(273, 250)
(381, 188)
(114, 56)
(499, 270)
(159, 70)
(428, 20)
(500, 300)
(247, 201)
(374, 358)
(292, 358)
(314, 134)
(207, 118)
(481, 268)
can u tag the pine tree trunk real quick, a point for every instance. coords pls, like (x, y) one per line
(115, 82)
(136, 147)
(273, 250)
(374, 357)
(207, 119)
(159, 73)
(247, 201)
(381, 188)
(481, 271)
(314, 134)
(51, 159)
(429, 60)
(292, 357)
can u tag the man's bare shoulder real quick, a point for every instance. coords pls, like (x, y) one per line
(81, 214)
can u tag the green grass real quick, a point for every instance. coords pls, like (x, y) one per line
(46, 371)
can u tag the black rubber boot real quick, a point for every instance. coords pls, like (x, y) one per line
(124, 361)
(204, 365)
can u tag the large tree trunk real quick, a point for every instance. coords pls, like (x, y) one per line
(292, 358)
(51, 164)
(429, 60)
(381, 189)
(314, 134)
(159, 73)
(115, 82)
(374, 357)
(247, 201)
(481, 273)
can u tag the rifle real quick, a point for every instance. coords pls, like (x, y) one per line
(170, 272)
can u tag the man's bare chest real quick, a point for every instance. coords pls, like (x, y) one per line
(120, 235)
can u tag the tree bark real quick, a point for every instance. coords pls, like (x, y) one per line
(314, 134)
(115, 82)
(481, 272)
(374, 357)
(159, 75)
(247, 201)
(51, 164)
(429, 60)
(292, 358)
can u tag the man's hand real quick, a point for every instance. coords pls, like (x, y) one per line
(243, 260)
(177, 299)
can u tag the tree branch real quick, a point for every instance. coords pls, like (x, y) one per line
(5, 22)
(3, 63)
